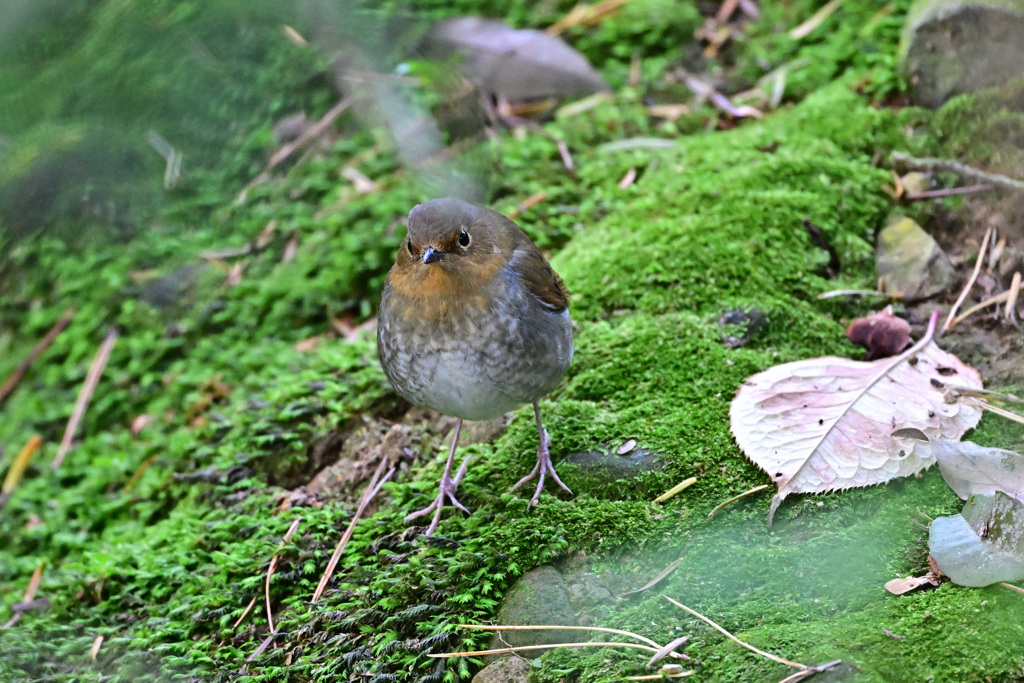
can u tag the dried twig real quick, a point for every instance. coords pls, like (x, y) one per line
(684, 484)
(30, 594)
(368, 494)
(37, 350)
(523, 648)
(526, 204)
(18, 467)
(1011, 301)
(585, 15)
(997, 299)
(97, 643)
(1018, 589)
(92, 378)
(273, 566)
(245, 613)
(551, 627)
(740, 496)
(817, 19)
(657, 579)
(717, 99)
(314, 131)
(947, 192)
(962, 170)
(970, 281)
(985, 405)
(851, 292)
(667, 671)
(774, 658)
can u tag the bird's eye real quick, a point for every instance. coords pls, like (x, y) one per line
(463, 238)
(408, 245)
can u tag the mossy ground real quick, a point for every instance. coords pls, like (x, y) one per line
(161, 562)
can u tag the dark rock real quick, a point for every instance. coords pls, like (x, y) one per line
(955, 46)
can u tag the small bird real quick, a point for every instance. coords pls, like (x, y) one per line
(473, 323)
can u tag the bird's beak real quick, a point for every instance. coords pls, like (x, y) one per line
(430, 255)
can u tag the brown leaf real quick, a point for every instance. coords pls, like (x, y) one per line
(905, 585)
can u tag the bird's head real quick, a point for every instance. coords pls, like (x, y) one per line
(452, 247)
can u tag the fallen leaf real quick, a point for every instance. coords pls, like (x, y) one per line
(882, 333)
(982, 545)
(140, 422)
(972, 469)
(826, 424)
(901, 586)
(516, 64)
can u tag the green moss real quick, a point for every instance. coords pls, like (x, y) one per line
(159, 541)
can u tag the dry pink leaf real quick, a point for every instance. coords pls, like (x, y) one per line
(905, 585)
(826, 424)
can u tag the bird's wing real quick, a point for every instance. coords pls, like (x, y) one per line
(539, 278)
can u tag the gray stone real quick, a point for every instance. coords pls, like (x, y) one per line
(505, 670)
(910, 262)
(539, 597)
(951, 47)
(606, 465)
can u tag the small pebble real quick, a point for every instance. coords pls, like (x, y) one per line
(626, 447)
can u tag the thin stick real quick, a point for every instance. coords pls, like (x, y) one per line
(997, 299)
(248, 609)
(703, 618)
(1011, 301)
(368, 494)
(273, 566)
(947, 192)
(146, 464)
(30, 594)
(661, 675)
(970, 281)
(588, 15)
(684, 484)
(18, 467)
(850, 292)
(718, 508)
(310, 133)
(806, 28)
(986, 394)
(984, 405)
(962, 170)
(287, 150)
(550, 627)
(521, 648)
(263, 646)
(37, 350)
(1012, 587)
(92, 378)
(657, 579)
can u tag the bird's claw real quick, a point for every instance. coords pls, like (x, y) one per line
(446, 489)
(543, 468)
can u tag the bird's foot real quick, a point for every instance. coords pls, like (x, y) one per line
(445, 489)
(543, 468)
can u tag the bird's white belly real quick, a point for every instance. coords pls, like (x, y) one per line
(456, 389)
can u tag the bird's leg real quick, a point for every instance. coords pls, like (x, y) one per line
(446, 487)
(544, 466)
